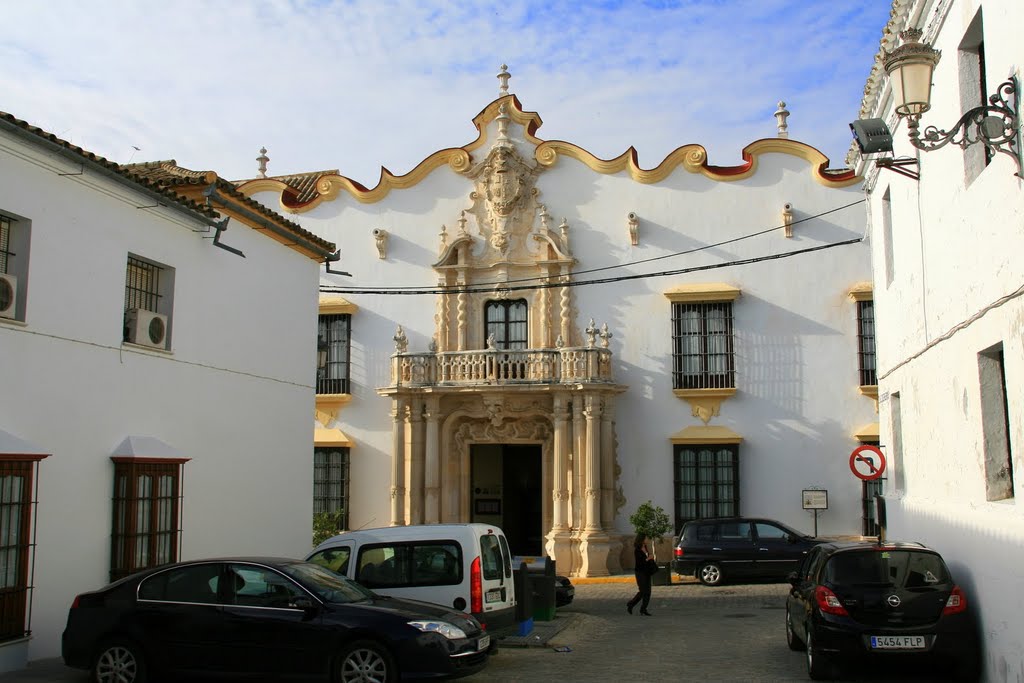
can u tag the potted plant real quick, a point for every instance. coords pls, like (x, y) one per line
(653, 523)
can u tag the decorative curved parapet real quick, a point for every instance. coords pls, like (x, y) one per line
(691, 157)
(502, 366)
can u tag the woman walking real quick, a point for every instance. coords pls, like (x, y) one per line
(643, 576)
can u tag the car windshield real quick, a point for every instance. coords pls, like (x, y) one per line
(327, 585)
(886, 567)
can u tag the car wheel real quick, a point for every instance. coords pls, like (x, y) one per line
(818, 666)
(792, 641)
(119, 661)
(710, 574)
(366, 662)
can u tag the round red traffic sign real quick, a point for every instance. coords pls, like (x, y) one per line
(867, 462)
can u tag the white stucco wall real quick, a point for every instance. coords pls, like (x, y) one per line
(234, 394)
(956, 249)
(797, 405)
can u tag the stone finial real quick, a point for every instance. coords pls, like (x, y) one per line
(503, 80)
(545, 218)
(462, 224)
(559, 342)
(503, 120)
(591, 334)
(444, 238)
(787, 219)
(563, 228)
(401, 341)
(491, 343)
(605, 335)
(781, 114)
(263, 159)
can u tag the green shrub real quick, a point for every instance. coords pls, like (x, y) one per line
(326, 524)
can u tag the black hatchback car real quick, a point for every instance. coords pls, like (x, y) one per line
(272, 618)
(732, 548)
(868, 601)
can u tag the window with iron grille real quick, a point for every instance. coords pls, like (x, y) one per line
(333, 349)
(330, 485)
(506, 323)
(702, 346)
(706, 482)
(147, 514)
(17, 504)
(866, 342)
(5, 243)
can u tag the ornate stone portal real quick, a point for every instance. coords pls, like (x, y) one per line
(557, 393)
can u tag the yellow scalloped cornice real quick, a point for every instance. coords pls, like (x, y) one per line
(705, 292)
(693, 158)
(703, 434)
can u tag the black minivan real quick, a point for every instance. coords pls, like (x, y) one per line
(732, 548)
(861, 600)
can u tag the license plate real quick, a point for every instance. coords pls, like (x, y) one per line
(897, 643)
(483, 643)
(493, 595)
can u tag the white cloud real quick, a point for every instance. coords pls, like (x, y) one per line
(355, 85)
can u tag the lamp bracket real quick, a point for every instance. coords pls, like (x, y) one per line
(996, 125)
(900, 166)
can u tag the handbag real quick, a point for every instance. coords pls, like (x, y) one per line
(651, 567)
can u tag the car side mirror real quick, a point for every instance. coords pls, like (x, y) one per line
(304, 604)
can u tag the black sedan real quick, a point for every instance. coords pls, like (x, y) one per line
(879, 602)
(268, 617)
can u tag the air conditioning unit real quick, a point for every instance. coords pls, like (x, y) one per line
(8, 295)
(146, 328)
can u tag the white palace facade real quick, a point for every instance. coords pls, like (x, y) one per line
(537, 338)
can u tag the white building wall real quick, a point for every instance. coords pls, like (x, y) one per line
(797, 405)
(234, 394)
(956, 292)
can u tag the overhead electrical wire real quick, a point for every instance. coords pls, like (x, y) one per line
(554, 280)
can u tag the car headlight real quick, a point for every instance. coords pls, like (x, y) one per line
(447, 630)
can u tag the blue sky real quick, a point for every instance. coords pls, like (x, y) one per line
(356, 85)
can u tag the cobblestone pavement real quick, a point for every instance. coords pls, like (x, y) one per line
(729, 633)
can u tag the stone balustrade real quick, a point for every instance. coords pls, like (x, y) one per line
(529, 366)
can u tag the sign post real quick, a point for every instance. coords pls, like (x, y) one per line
(815, 499)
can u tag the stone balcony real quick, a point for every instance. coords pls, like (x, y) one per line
(490, 367)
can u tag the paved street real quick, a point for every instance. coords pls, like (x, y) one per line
(696, 633)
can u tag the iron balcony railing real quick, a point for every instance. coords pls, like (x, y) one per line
(529, 366)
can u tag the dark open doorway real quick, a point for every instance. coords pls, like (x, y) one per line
(506, 491)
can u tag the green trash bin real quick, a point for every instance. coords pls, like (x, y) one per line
(542, 596)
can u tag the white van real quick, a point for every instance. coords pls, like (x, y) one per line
(465, 566)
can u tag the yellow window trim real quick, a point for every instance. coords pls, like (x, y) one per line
(325, 438)
(862, 291)
(336, 305)
(868, 432)
(704, 292)
(705, 434)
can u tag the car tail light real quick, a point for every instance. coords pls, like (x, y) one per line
(74, 605)
(828, 602)
(679, 553)
(956, 603)
(476, 590)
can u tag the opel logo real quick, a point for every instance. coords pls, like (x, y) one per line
(893, 600)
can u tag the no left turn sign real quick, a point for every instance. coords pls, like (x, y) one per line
(867, 462)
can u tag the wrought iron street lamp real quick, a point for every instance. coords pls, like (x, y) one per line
(996, 124)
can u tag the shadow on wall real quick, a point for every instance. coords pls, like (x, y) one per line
(984, 549)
